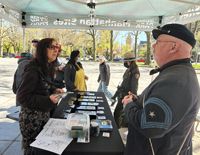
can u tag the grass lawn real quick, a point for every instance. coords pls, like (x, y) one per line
(196, 66)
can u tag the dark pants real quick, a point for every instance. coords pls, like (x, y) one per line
(31, 122)
(119, 116)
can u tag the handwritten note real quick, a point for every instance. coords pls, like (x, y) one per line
(55, 123)
(54, 137)
(55, 146)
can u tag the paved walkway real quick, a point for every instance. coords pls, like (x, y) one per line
(9, 129)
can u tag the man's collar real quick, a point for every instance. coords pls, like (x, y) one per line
(172, 63)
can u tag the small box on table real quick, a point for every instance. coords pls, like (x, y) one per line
(77, 124)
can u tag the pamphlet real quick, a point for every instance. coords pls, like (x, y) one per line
(54, 137)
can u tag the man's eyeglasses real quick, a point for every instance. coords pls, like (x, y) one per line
(52, 47)
(157, 41)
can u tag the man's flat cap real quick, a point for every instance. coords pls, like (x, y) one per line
(35, 40)
(176, 30)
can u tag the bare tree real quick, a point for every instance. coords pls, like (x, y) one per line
(111, 45)
(15, 37)
(93, 34)
(148, 55)
(4, 31)
(135, 34)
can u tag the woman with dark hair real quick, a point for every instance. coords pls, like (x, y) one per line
(34, 92)
(74, 74)
(129, 83)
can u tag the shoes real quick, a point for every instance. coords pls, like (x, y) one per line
(113, 103)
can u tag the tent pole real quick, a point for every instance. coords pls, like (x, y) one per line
(1, 39)
(23, 39)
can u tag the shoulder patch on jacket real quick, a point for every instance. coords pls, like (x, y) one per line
(137, 76)
(156, 114)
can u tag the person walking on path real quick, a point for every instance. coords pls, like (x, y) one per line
(129, 83)
(161, 119)
(74, 74)
(34, 92)
(59, 79)
(104, 78)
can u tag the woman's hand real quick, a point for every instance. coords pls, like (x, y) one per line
(60, 68)
(86, 77)
(55, 98)
(58, 91)
(76, 89)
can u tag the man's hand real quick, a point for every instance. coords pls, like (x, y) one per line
(126, 100)
(134, 97)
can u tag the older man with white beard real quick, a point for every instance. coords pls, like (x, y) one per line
(161, 118)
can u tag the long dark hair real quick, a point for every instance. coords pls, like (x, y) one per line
(133, 66)
(48, 69)
(72, 60)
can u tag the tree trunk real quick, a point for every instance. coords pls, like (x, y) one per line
(111, 45)
(148, 54)
(7, 50)
(190, 26)
(195, 27)
(14, 49)
(136, 38)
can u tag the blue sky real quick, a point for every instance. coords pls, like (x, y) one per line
(122, 37)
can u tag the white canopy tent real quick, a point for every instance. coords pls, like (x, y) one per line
(138, 15)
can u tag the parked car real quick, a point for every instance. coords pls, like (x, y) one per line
(5, 55)
(68, 57)
(91, 58)
(11, 55)
(141, 59)
(117, 59)
(17, 56)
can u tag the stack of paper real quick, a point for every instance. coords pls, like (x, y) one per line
(54, 137)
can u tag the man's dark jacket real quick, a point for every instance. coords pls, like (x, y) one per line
(104, 74)
(25, 58)
(164, 112)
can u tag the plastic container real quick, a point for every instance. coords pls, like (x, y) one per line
(77, 124)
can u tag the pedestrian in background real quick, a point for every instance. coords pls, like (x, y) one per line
(34, 92)
(59, 77)
(74, 74)
(161, 118)
(129, 84)
(25, 58)
(104, 78)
